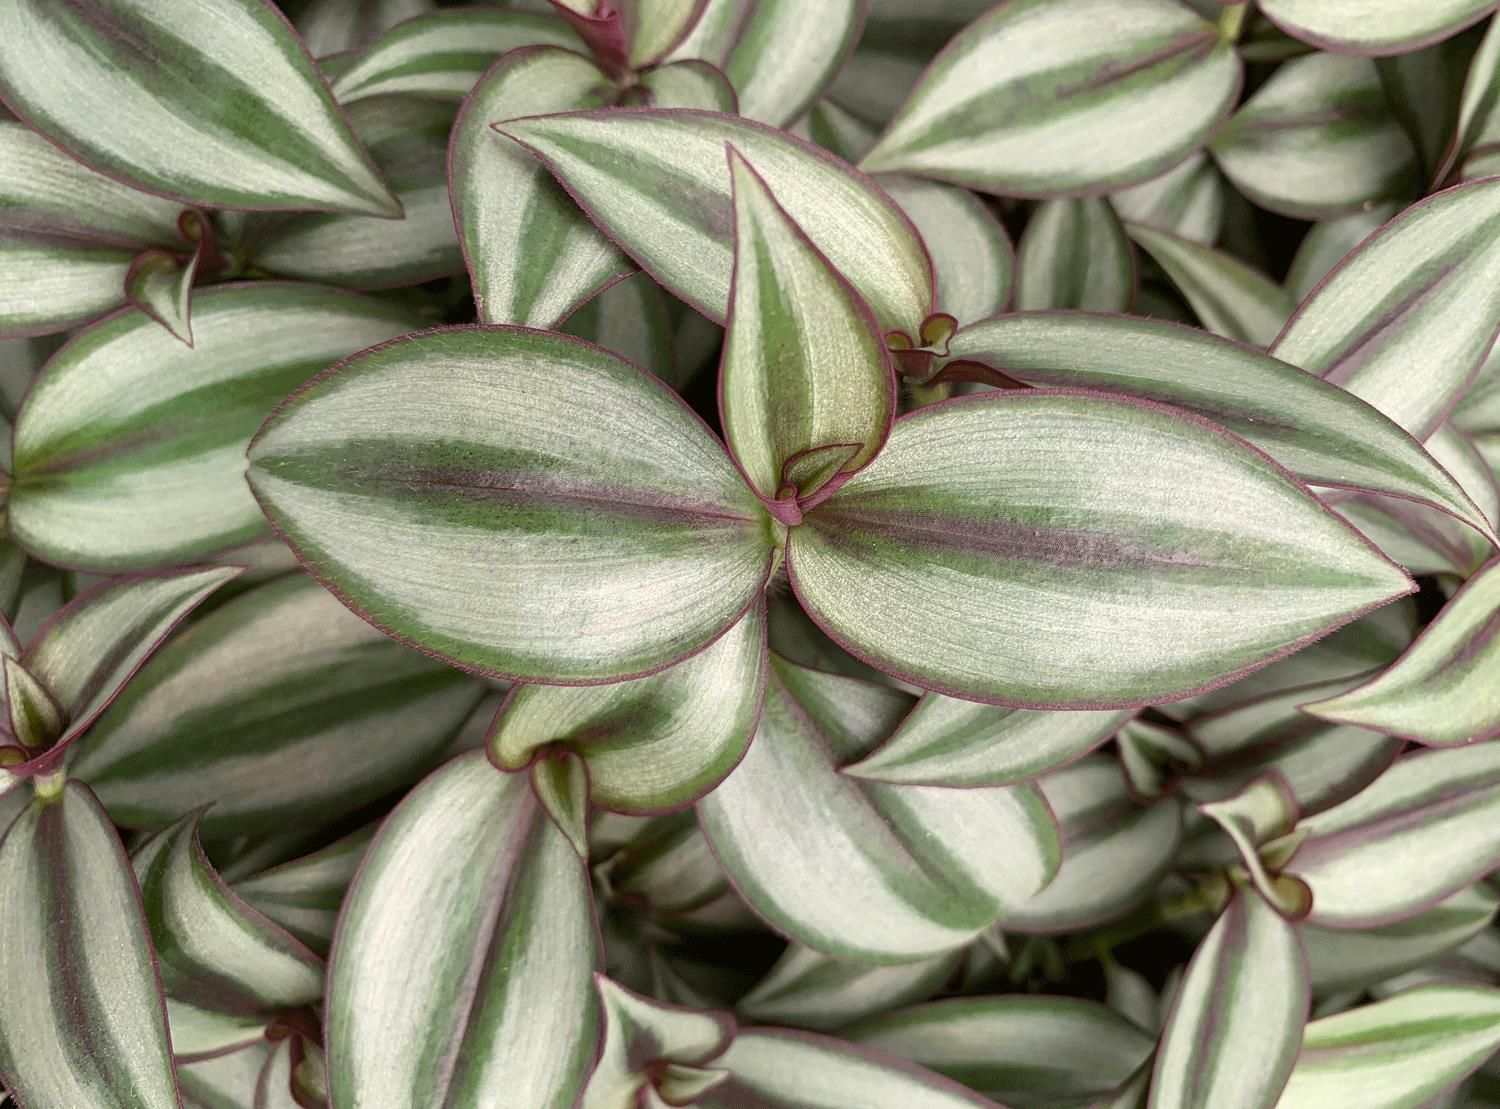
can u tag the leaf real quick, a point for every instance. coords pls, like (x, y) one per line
(1228, 297)
(1423, 829)
(332, 26)
(128, 450)
(443, 53)
(1186, 201)
(1372, 26)
(1317, 140)
(632, 550)
(675, 217)
(83, 1022)
(1326, 243)
(461, 973)
(1115, 850)
(218, 957)
(1405, 321)
(139, 81)
(862, 870)
(1477, 130)
(688, 84)
(223, 1081)
(532, 254)
(35, 719)
(805, 368)
(948, 742)
(776, 1068)
(667, 866)
(1043, 98)
(161, 285)
(788, 51)
(561, 784)
(304, 895)
(646, 1044)
(1231, 1037)
(631, 319)
(1026, 1052)
(1074, 254)
(1348, 959)
(1313, 428)
(1404, 1050)
(408, 138)
(1136, 573)
(971, 252)
(67, 235)
(808, 990)
(1443, 690)
(1255, 820)
(654, 743)
(281, 709)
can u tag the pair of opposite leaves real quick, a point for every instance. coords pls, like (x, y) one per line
(528, 506)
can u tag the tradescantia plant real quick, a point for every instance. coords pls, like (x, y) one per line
(866, 554)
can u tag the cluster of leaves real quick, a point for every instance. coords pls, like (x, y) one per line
(946, 675)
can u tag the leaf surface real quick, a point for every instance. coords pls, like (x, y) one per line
(1228, 297)
(1372, 26)
(1074, 254)
(972, 258)
(788, 51)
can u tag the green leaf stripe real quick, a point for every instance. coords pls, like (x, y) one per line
(304, 895)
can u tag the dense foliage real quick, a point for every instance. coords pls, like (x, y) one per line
(751, 554)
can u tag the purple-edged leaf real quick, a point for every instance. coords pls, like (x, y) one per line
(160, 284)
(1443, 691)
(1254, 819)
(129, 450)
(666, 865)
(971, 253)
(1373, 26)
(626, 35)
(1315, 429)
(1228, 297)
(863, 870)
(808, 990)
(560, 781)
(1404, 1050)
(1074, 254)
(1423, 829)
(1477, 137)
(1405, 321)
(631, 319)
(649, 1046)
(1317, 140)
(788, 51)
(948, 742)
(118, 83)
(579, 524)
(1478, 413)
(1114, 850)
(532, 254)
(1326, 243)
(462, 970)
(805, 368)
(330, 27)
(689, 84)
(1140, 554)
(226, 969)
(772, 1068)
(442, 54)
(1049, 97)
(1027, 1052)
(1231, 1037)
(83, 1023)
(840, 132)
(281, 709)
(223, 1081)
(34, 717)
(654, 743)
(675, 215)
(1187, 201)
(304, 895)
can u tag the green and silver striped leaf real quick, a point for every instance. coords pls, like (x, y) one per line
(1326, 244)
(1024, 1052)
(1050, 97)
(1313, 428)
(863, 870)
(674, 214)
(485, 543)
(1186, 201)
(808, 990)
(462, 970)
(689, 84)
(1477, 130)
(1423, 829)
(948, 742)
(1074, 254)
(655, 743)
(304, 895)
(83, 1022)
(281, 709)
(532, 255)
(1317, 140)
(1406, 320)
(443, 54)
(787, 52)
(972, 259)
(1231, 1037)
(650, 1047)
(118, 83)
(806, 387)
(1373, 26)
(227, 970)
(1140, 554)
(223, 1081)
(774, 1068)
(1114, 849)
(1402, 1051)
(1229, 297)
(1443, 691)
(631, 319)
(334, 26)
(129, 450)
